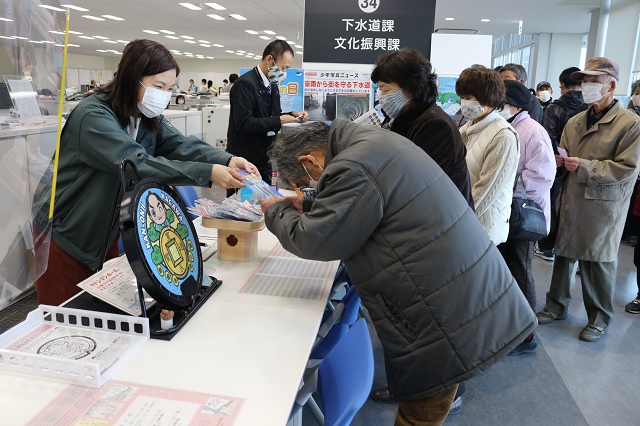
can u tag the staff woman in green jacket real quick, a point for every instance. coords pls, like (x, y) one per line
(123, 120)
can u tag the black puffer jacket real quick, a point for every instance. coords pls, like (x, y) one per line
(558, 113)
(441, 298)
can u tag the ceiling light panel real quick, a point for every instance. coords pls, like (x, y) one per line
(205, 45)
(216, 6)
(203, 41)
(44, 6)
(265, 38)
(269, 32)
(190, 6)
(238, 17)
(173, 37)
(115, 18)
(217, 45)
(167, 32)
(448, 19)
(251, 32)
(281, 38)
(189, 41)
(81, 9)
(6, 19)
(87, 37)
(101, 38)
(187, 37)
(150, 32)
(73, 32)
(216, 17)
(95, 18)
(110, 41)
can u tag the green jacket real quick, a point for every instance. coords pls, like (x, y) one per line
(91, 148)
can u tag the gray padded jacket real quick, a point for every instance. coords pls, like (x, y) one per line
(441, 298)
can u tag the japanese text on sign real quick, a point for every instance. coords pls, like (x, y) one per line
(368, 43)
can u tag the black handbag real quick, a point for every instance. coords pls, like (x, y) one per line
(527, 221)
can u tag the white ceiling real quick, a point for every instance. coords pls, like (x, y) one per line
(285, 18)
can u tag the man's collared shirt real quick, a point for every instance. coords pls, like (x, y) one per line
(267, 84)
(593, 118)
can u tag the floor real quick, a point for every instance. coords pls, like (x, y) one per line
(566, 382)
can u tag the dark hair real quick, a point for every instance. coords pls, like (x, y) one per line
(140, 59)
(410, 70)
(191, 80)
(565, 77)
(209, 83)
(225, 81)
(496, 69)
(517, 69)
(483, 84)
(204, 81)
(233, 78)
(276, 49)
(180, 97)
(294, 143)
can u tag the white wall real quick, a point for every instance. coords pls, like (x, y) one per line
(564, 52)
(622, 40)
(92, 62)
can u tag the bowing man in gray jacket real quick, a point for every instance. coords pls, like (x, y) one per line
(441, 298)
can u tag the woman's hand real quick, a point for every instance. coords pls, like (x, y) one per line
(239, 163)
(226, 177)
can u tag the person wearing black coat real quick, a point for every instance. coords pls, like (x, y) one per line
(518, 73)
(256, 115)
(420, 120)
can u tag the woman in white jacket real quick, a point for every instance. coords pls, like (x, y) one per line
(493, 149)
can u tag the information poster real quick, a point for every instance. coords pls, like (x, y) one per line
(448, 100)
(130, 404)
(337, 94)
(291, 92)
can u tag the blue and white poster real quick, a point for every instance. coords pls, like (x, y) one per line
(291, 90)
(448, 99)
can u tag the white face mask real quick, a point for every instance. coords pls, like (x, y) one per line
(591, 92)
(393, 103)
(471, 109)
(154, 101)
(505, 112)
(275, 75)
(312, 183)
(544, 96)
(636, 100)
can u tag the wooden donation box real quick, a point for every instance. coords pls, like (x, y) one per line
(237, 241)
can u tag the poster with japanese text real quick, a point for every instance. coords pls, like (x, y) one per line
(448, 99)
(291, 93)
(131, 404)
(337, 94)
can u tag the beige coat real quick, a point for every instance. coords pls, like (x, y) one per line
(594, 200)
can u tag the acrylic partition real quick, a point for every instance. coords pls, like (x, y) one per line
(32, 52)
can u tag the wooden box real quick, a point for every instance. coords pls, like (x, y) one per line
(237, 241)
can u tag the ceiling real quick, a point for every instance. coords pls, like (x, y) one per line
(285, 18)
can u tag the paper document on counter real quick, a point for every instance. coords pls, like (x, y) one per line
(131, 404)
(286, 275)
(116, 284)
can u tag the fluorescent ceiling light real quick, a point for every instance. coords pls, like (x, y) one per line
(51, 7)
(205, 45)
(299, 53)
(187, 37)
(54, 32)
(190, 6)
(204, 41)
(95, 18)
(249, 55)
(241, 51)
(101, 38)
(150, 32)
(87, 37)
(20, 38)
(173, 37)
(59, 45)
(448, 19)
(230, 51)
(189, 41)
(81, 9)
(209, 57)
(123, 41)
(217, 45)
(238, 17)
(174, 51)
(166, 31)
(110, 41)
(216, 6)
(35, 41)
(200, 57)
(216, 17)
(281, 38)
(100, 50)
(47, 41)
(485, 20)
(118, 53)
(115, 18)
(298, 46)
(269, 32)
(9, 20)
(73, 45)
(177, 53)
(265, 38)
(73, 32)
(238, 53)
(251, 32)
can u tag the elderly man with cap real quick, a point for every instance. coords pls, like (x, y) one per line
(602, 147)
(544, 92)
(537, 166)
